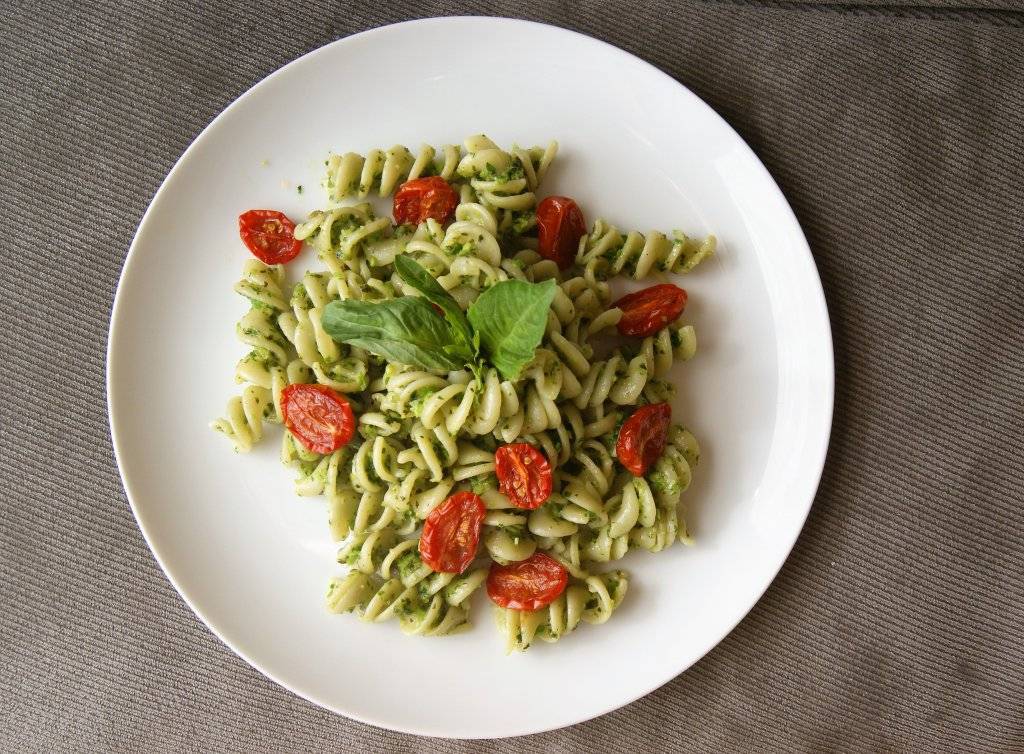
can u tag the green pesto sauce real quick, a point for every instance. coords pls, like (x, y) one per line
(661, 482)
(481, 484)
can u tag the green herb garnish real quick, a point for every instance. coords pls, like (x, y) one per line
(505, 324)
(414, 275)
(405, 330)
(510, 318)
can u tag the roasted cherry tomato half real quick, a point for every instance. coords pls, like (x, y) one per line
(643, 436)
(420, 198)
(451, 533)
(527, 584)
(647, 311)
(560, 226)
(270, 235)
(320, 418)
(524, 475)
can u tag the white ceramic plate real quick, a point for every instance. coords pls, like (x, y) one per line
(252, 559)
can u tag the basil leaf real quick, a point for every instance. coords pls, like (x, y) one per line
(510, 318)
(404, 330)
(414, 275)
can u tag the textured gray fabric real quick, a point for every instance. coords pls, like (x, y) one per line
(896, 132)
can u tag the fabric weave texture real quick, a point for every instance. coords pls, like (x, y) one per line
(895, 129)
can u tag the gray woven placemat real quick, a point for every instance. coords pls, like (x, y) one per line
(895, 131)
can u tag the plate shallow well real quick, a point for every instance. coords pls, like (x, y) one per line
(252, 559)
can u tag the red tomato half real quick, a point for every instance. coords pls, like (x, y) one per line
(269, 234)
(320, 418)
(451, 533)
(420, 198)
(643, 436)
(527, 584)
(524, 475)
(560, 226)
(647, 311)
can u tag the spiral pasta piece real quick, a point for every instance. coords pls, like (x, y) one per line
(261, 284)
(614, 379)
(450, 405)
(352, 174)
(350, 284)
(405, 390)
(562, 515)
(660, 534)
(630, 511)
(390, 580)
(434, 450)
(453, 402)
(386, 554)
(673, 471)
(606, 252)
(506, 537)
(497, 403)
(528, 265)
(373, 423)
(473, 463)
(580, 297)
(259, 368)
(243, 424)
(561, 443)
(643, 513)
(473, 234)
(623, 377)
(591, 599)
(352, 512)
(504, 180)
(431, 494)
(592, 463)
(340, 235)
(426, 247)
(546, 380)
(665, 347)
(347, 594)
(378, 600)
(376, 466)
(269, 366)
(315, 471)
(259, 330)
(303, 326)
(655, 526)
(349, 510)
(318, 474)
(465, 258)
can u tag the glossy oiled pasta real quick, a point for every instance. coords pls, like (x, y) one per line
(423, 434)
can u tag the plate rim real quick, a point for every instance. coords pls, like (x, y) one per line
(816, 298)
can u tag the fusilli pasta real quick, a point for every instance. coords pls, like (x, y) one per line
(606, 252)
(422, 434)
(591, 599)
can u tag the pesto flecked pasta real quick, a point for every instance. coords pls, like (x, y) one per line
(388, 579)
(606, 252)
(423, 434)
(355, 175)
(589, 598)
